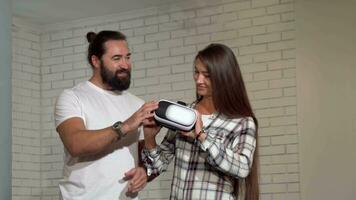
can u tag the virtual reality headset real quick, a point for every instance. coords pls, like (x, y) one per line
(175, 116)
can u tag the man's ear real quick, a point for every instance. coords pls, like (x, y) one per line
(96, 61)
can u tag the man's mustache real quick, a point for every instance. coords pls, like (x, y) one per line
(119, 71)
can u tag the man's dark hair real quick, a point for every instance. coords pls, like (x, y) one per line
(97, 41)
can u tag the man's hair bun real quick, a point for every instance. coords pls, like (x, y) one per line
(91, 36)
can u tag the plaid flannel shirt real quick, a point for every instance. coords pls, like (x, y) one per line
(206, 170)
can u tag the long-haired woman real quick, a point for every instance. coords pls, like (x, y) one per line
(218, 159)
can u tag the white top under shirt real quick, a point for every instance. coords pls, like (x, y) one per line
(101, 176)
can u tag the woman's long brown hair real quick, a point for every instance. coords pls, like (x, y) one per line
(230, 98)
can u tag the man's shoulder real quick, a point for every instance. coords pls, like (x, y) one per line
(82, 86)
(75, 91)
(79, 88)
(133, 98)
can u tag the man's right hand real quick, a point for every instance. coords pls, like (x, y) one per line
(140, 116)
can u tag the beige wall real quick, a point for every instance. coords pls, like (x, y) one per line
(5, 99)
(326, 81)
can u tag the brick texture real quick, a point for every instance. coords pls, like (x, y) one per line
(26, 113)
(163, 41)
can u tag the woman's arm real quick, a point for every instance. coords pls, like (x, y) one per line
(157, 158)
(232, 155)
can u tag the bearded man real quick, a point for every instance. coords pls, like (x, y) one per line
(100, 125)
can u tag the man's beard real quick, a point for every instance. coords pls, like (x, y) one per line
(112, 80)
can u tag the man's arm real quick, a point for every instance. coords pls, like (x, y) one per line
(138, 176)
(81, 142)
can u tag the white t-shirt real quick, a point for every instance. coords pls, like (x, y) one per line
(101, 176)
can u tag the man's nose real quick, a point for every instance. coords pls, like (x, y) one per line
(125, 63)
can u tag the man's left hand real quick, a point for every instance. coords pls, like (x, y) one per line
(137, 179)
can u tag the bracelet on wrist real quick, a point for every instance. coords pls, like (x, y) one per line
(199, 134)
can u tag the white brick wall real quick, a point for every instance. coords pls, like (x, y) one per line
(164, 42)
(26, 108)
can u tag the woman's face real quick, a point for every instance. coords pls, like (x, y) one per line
(202, 79)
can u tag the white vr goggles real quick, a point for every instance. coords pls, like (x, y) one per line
(175, 116)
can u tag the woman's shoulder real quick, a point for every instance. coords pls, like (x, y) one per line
(243, 121)
(192, 104)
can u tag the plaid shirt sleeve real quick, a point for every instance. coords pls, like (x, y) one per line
(157, 160)
(232, 154)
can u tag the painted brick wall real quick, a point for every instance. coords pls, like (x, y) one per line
(26, 108)
(164, 41)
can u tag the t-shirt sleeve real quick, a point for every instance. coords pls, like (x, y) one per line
(67, 106)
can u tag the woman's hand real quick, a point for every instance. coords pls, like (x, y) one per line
(199, 123)
(150, 129)
(198, 127)
(190, 134)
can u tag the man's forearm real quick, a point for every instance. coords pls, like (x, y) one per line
(82, 142)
